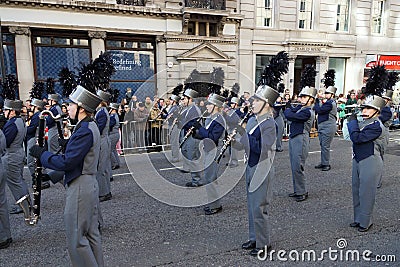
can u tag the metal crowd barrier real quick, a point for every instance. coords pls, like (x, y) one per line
(149, 136)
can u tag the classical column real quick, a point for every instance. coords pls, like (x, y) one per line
(321, 68)
(97, 42)
(24, 58)
(290, 80)
(162, 66)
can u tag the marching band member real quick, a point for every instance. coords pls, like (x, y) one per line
(301, 118)
(102, 119)
(232, 118)
(386, 117)
(211, 133)
(172, 118)
(190, 148)
(13, 160)
(368, 144)
(326, 111)
(280, 124)
(55, 108)
(114, 135)
(5, 233)
(259, 142)
(80, 166)
(31, 136)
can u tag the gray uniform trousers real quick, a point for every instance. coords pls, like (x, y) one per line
(191, 154)
(326, 132)
(257, 206)
(365, 178)
(81, 222)
(13, 163)
(104, 168)
(210, 175)
(298, 152)
(280, 124)
(174, 140)
(5, 232)
(385, 144)
(31, 162)
(114, 138)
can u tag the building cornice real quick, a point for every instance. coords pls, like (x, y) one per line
(112, 9)
(190, 38)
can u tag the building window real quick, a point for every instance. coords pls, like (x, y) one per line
(377, 15)
(305, 14)
(342, 19)
(202, 28)
(339, 65)
(9, 53)
(56, 50)
(261, 62)
(134, 61)
(264, 13)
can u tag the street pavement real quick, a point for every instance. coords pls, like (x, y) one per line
(140, 230)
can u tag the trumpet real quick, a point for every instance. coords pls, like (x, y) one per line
(32, 211)
(191, 129)
(228, 140)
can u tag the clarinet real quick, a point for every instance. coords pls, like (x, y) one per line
(37, 183)
(191, 129)
(228, 140)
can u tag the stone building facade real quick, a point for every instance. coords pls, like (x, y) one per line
(156, 44)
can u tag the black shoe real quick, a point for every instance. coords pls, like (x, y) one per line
(249, 245)
(279, 150)
(16, 210)
(206, 208)
(105, 197)
(293, 195)
(184, 171)
(45, 185)
(259, 251)
(326, 168)
(190, 184)
(363, 229)
(354, 224)
(213, 211)
(319, 166)
(116, 167)
(6, 244)
(303, 197)
(111, 179)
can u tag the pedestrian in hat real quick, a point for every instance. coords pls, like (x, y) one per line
(326, 111)
(301, 118)
(79, 163)
(212, 133)
(259, 140)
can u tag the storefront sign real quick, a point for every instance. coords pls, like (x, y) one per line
(391, 62)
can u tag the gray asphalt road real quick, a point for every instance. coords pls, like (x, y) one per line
(141, 231)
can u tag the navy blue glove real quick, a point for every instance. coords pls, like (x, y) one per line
(352, 117)
(36, 151)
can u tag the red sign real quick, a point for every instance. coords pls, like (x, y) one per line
(390, 62)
